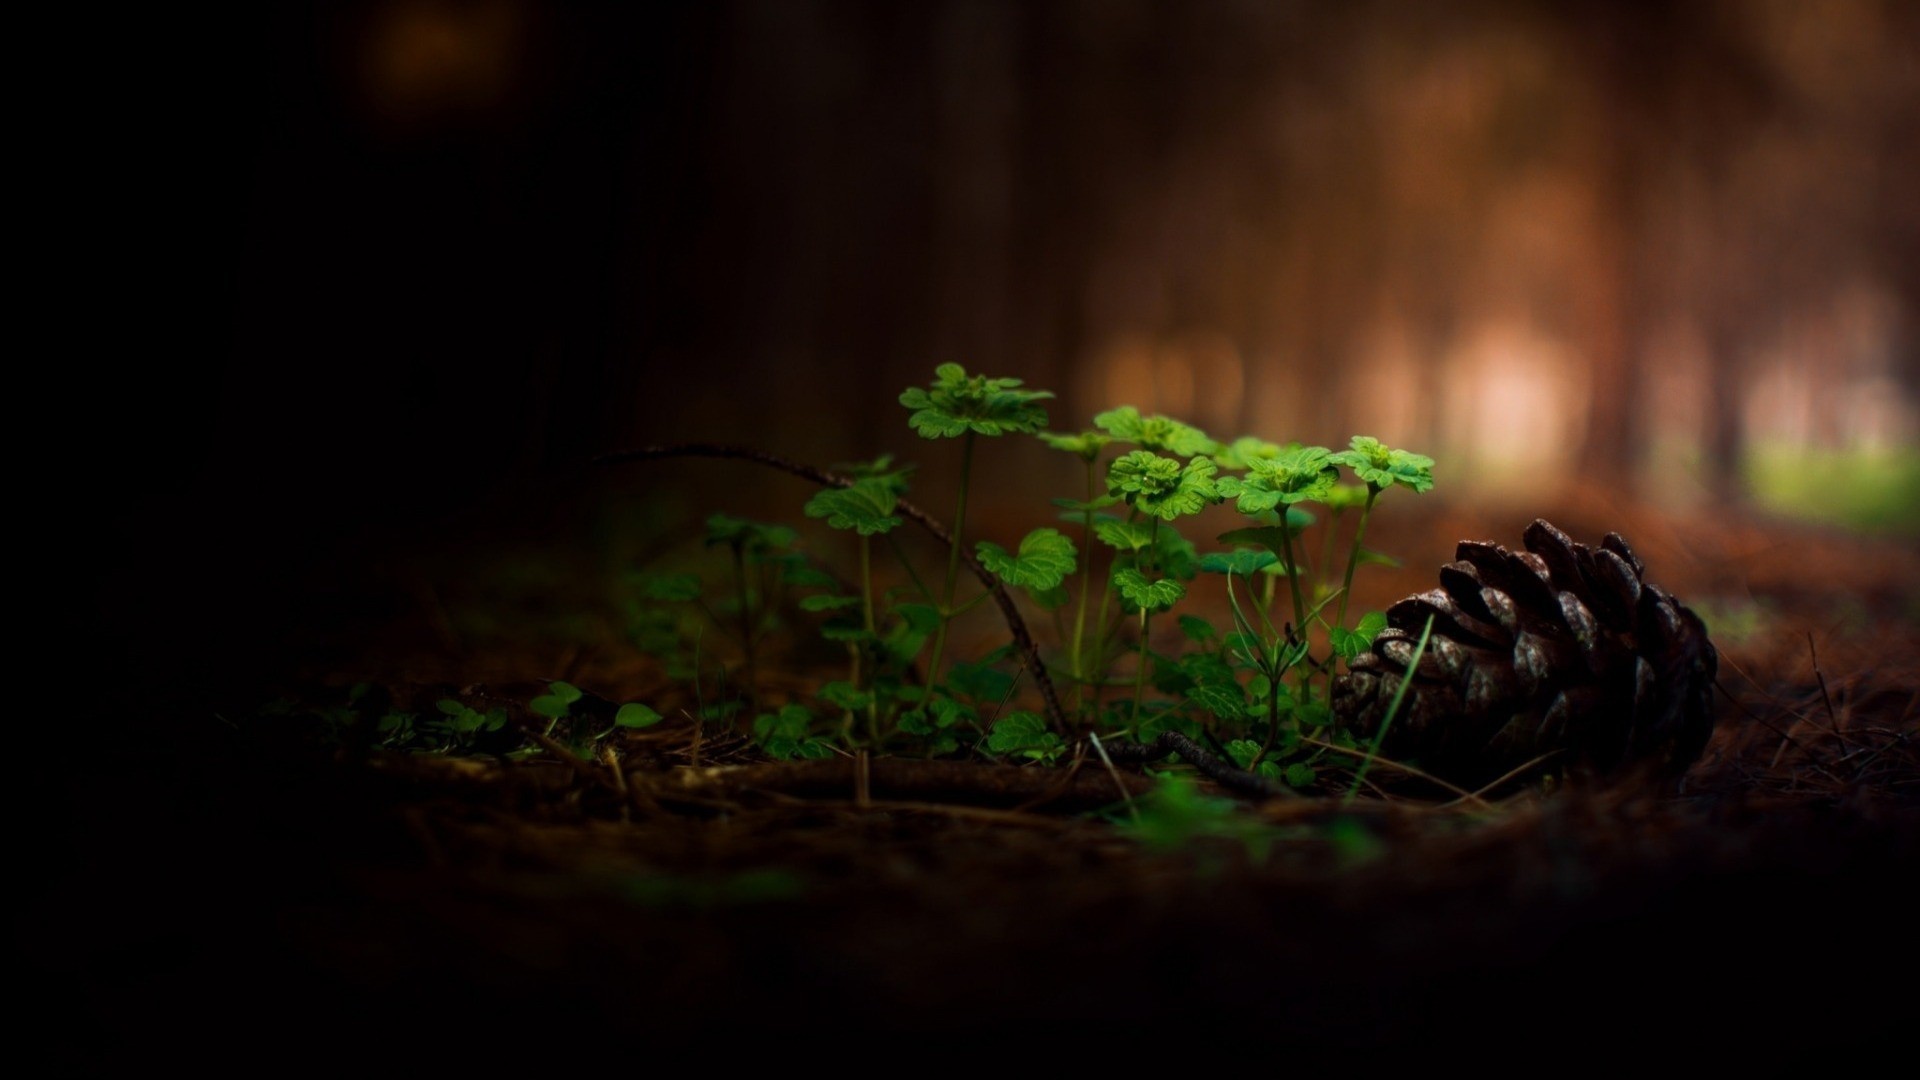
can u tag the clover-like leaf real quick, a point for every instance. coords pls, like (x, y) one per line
(1351, 643)
(1147, 595)
(866, 507)
(635, 715)
(1162, 487)
(1086, 445)
(958, 403)
(1025, 734)
(1126, 424)
(1298, 474)
(1346, 496)
(1224, 700)
(1045, 559)
(845, 695)
(1237, 454)
(751, 536)
(1122, 535)
(553, 704)
(1381, 466)
(881, 469)
(1242, 561)
(1197, 629)
(1075, 510)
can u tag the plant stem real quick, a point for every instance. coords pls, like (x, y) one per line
(1353, 557)
(1080, 616)
(1146, 616)
(1139, 676)
(953, 566)
(746, 623)
(1016, 623)
(866, 612)
(1273, 723)
(1293, 577)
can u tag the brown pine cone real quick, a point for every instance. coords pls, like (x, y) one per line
(1559, 648)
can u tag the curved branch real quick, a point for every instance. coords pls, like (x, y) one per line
(1016, 625)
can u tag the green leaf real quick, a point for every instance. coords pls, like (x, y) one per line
(1197, 629)
(1204, 668)
(1154, 432)
(922, 618)
(881, 469)
(1122, 535)
(1148, 595)
(1045, 559)
(635, 715)
(1244, 449)
(788, 733)
(1297, 474)
(1174, 554)
(450, 707)
(750, 536)
(827, 603)
(1381, 466)
(1369, 557)
(978, 681)
(1077, 510)
(1300, 775)
(844, 695)
(802, 576)
(669, 587)
(1351, 643)
(1242, 561)
(1162, 487)
(566, 692)
(948, 712)
(958, 403)
(1223, 700)
(1024, 734)
(551, 706)
(866, 507)
(1243, 751)
(1086, 446)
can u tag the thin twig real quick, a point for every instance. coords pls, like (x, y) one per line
(1016, 625)
(1517, 770)
(1132, 810)
(1417, 774)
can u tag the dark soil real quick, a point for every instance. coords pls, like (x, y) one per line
(201, 884)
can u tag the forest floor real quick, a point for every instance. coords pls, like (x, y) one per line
(239, 882)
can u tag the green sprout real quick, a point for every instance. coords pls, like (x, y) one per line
(1301, 474)
(1380, 467)
(1164, 489)
(1087, 446)
(963, 406)
(865, 508)
(1164, 433)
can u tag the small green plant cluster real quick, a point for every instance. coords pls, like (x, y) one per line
(1109, 571)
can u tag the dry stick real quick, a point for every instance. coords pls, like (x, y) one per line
(1463, 793)
(1517, 770)
(1016, 625)
(579, 764)
(1833, 724)
(1234, 779)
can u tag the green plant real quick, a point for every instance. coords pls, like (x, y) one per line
(1258, 687)
(966, 406)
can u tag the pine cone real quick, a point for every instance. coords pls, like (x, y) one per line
(1559, 648)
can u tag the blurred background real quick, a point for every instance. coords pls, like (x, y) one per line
(1670, 246)
(1665, 251)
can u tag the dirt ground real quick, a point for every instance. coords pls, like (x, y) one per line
(233, 885)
